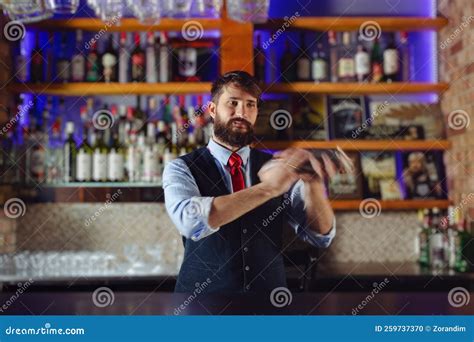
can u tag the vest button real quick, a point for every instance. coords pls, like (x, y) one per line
(247, 268)
(244, 230)
(246, 249)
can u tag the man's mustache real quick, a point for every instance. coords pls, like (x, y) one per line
(240, 120)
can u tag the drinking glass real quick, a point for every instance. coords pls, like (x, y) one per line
(64, 6)
(28, 11)
(206, 8)
(254, 11)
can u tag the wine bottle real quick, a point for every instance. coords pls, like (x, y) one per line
(362, 63)
(407, 58)
(109, 62)
(376, 61)
(150, 155)
(92, 64)
(259, 60)
(346, 63)
(84, 159)
(63, 70)
(165, 61)
(115, 160)
(20, 63)
(151, 65)
(123, 63)
(333, 53)
(138, 61)
(78, 61)
(303, 62)
(99, 159)
(319, 65)
(70, 152)
(287, 64)
(391, 61)
(37, 62)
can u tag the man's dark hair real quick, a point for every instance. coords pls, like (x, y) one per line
(242, 79)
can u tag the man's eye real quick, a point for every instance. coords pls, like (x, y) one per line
(234, 103)
(251, 105)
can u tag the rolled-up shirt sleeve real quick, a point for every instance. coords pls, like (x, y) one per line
(298, 219)
(188, 210)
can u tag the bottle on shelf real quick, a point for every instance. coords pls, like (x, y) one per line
(84, 159)
(123, 59)
(109, 62)
(287, 64)
(99, 159)
(346, 62)
(259, 60)
(20, 63)
(78, 61)
(362, 63)
(320, 65)
(462, 239)
(151, 60)
(38, 147)
(132, 162)
(423, 241)
(376, 60)
(165, 59)
(63, 66)
(92, 64)
(70, 153)
(139, 117)
(116, 160)
(150, 156)
(437, 242)
(333, 54)
(37, 62)
(406, 58)
(303, 62)
(137, 61)
(391, 61)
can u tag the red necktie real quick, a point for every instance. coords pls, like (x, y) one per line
(235, 162)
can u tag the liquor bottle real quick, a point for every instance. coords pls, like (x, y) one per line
(55, 170)
(150, 155)
(333, 53)
(449, 224)
(187, 63)
(287, 64)
(123, 62)
(78, 61)
(138, 61)
(99, 159)
(391, 60)
(165, 61)
(162, 143)
(115, 160)
(38, 150)
(463, 239)
(151, 64)
(37, 62)
(362, 64)
(437, 242)
(406, 58)
(259, 60)
(139, 117)
(172, 151)
(346, 63)
(133, 159)
(84, 160)
(63, 67)
(424, 237)
(92, 64)
(70, 153)
(376, 60)
(109, 62)
(303, 62)
(20, 63)
(319, 65)
(122, 124)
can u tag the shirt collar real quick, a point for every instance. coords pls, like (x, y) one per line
(222, 154)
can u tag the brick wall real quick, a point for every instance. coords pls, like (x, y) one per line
(456, 65)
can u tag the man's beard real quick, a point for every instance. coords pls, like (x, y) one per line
(233, 137)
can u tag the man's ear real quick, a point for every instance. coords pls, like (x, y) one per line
(212, 109)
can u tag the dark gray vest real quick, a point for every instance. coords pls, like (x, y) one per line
(244, 255)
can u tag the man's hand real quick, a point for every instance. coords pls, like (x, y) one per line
(277, 177)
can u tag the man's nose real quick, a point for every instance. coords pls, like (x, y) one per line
(240, 110)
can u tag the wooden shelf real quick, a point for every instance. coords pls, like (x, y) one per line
(353, 23)
(356, 88)
(359, 145)
(126, 24)
(81, 89)
(343, 205)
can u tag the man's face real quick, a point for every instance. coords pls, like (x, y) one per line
(234, 114)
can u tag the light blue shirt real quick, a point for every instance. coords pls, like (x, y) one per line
(189, 211)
